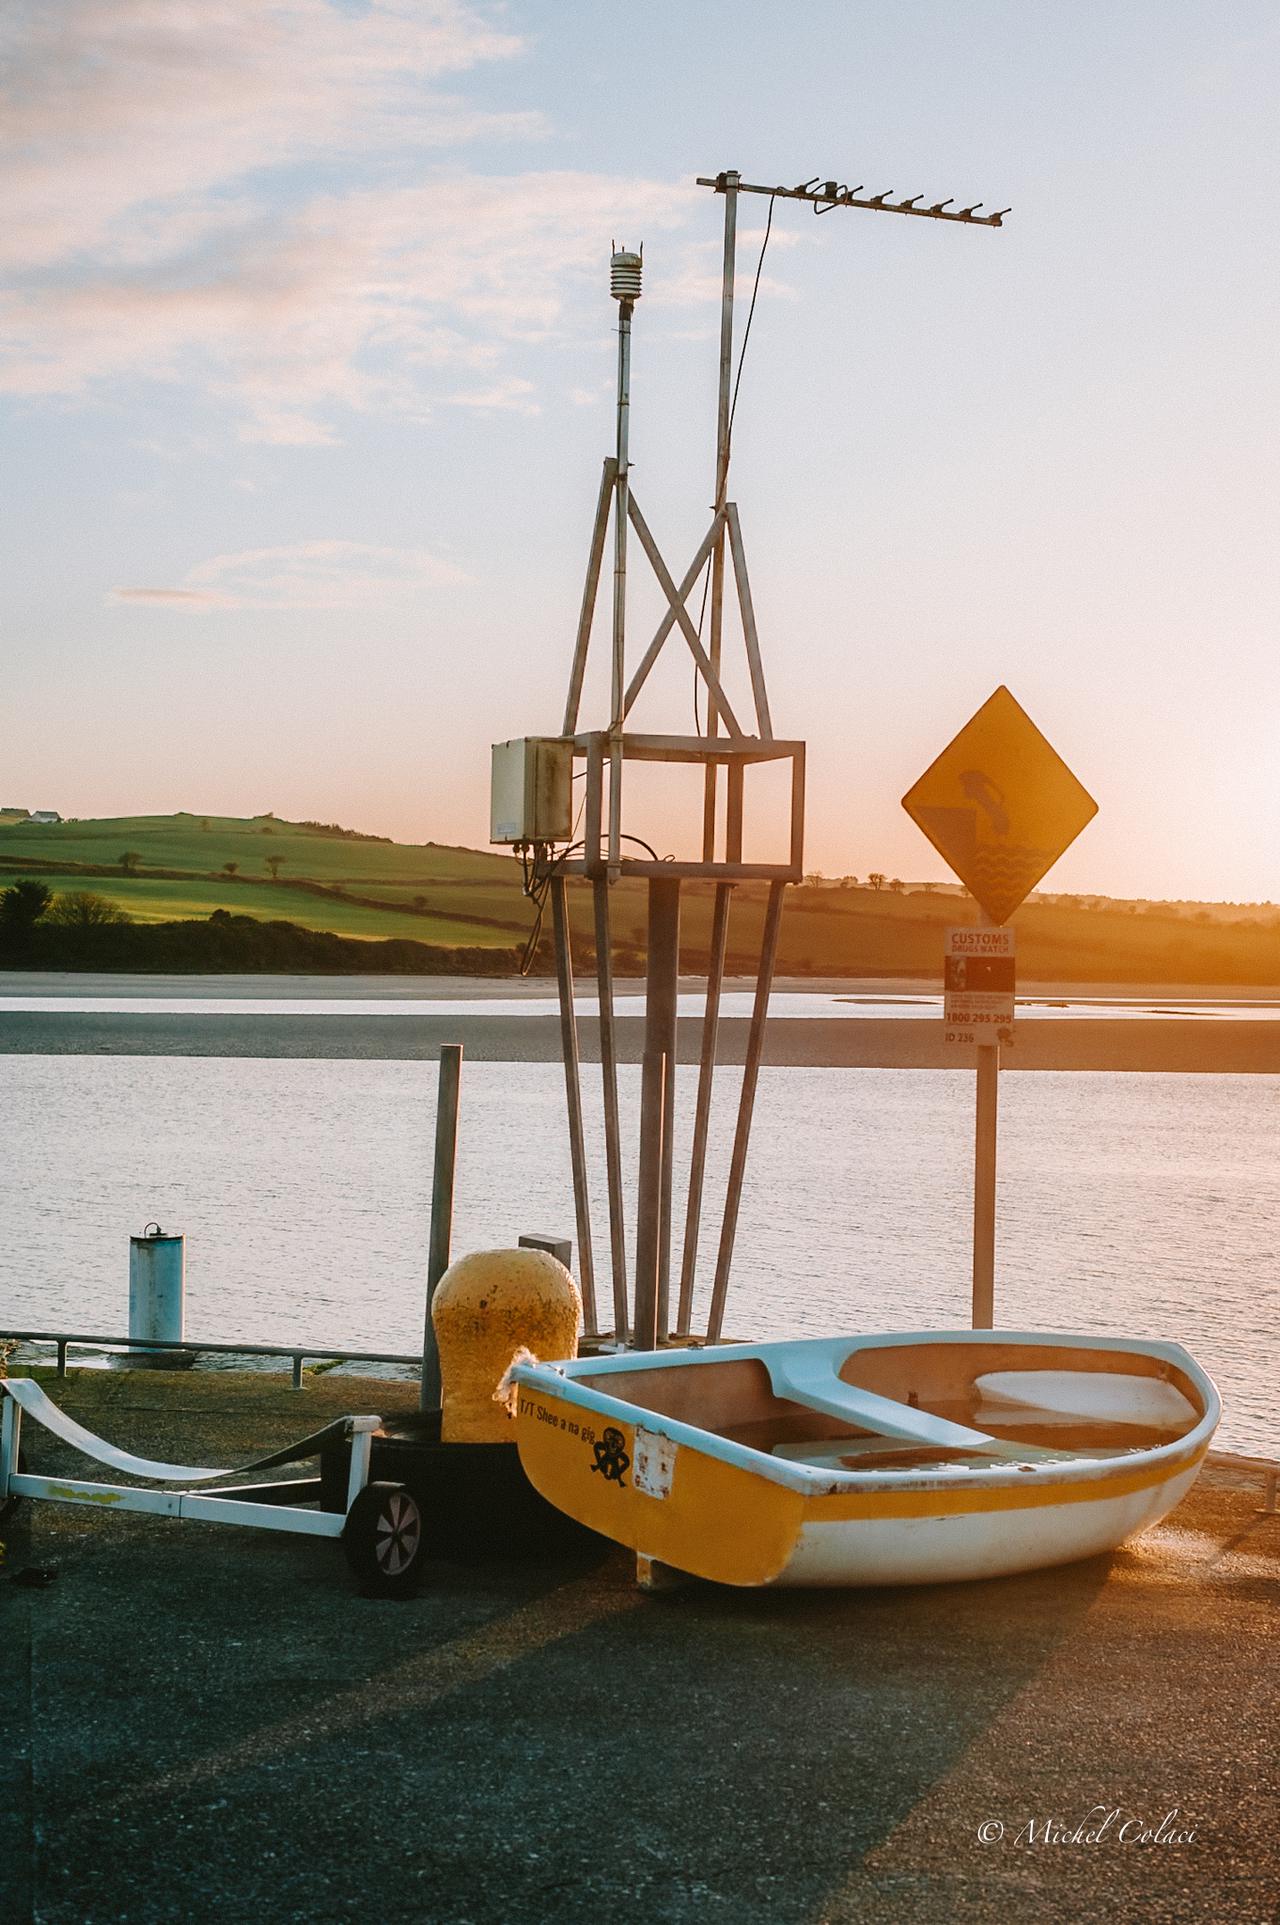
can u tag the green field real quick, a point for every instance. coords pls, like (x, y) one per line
(466, 898)
(147, 899)
(183, 842)
(432, 893)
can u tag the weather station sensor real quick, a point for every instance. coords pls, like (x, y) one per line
(531, 790)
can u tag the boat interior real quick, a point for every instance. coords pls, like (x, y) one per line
(913, 1406)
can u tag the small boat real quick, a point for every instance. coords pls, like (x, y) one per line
(908, 1458)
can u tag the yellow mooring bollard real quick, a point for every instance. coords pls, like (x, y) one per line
(487, 1307)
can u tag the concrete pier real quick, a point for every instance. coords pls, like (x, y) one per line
(204, 1722)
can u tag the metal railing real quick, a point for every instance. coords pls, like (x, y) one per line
(321, 1353)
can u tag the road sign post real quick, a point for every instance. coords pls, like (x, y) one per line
(984, 1187)
(1000, 806)
(978, 1006)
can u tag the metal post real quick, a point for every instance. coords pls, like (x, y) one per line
(644, 1323)
(573, 1098)
(722, 483)
(653, 1204)
(622, 487)
(441, 1235)
(750, 634)
(593, 805)
(361, 1456)
(10, 1444)
(731, 179)
(561, 1248)
(702, 1111)
(669, 1000)
(595, 558)
(612, 1133)
(984, 1187)
(746, 1105)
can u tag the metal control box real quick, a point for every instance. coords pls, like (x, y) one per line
(531, 793)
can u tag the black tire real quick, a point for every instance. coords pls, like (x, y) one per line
(384, 1542)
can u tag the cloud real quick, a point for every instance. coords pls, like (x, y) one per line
(285, 429)
(176, 597)
(692, 276)
(310, 575)
(171, 215)
(353, 302)
(513, 394)
(121, 114)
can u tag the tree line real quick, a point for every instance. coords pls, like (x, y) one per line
(83, 930)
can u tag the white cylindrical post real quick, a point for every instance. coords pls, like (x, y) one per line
(157, 1289)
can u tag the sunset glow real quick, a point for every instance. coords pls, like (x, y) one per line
(307, 375)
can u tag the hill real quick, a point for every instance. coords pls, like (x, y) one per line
(324, 880)
(318, 877)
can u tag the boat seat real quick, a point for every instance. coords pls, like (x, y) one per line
(809, 1377)
(1075, 1396)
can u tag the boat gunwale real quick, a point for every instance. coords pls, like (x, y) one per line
(1165, 1460)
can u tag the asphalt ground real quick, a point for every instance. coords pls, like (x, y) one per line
(203, 1722)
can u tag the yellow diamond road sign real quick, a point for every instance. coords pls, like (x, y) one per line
(999, 805)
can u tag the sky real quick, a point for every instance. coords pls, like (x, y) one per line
(307, 363)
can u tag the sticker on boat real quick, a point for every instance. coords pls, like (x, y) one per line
(655, 1463)
(611, 1459)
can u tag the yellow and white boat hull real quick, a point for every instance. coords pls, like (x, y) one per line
(901, 1458)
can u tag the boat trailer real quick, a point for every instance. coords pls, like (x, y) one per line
(379, 1524)
(391, 1491)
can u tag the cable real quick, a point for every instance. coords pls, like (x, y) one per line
(538, 887)
(746, 332)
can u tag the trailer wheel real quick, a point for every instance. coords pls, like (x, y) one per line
(383, 1541)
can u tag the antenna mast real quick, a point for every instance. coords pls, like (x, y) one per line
(533, 811)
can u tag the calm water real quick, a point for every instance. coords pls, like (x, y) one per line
(1142, 1204)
